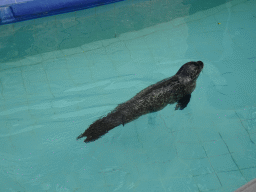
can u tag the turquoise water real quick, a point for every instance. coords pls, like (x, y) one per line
(59, 74)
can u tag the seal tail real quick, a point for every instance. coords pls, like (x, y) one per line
(102, 126)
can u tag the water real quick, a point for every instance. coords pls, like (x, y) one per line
(59, 74)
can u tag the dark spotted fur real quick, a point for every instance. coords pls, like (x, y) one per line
(177, 88)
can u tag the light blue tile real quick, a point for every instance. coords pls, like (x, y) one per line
(31, 60)
(246, 160)
(207, 24)
(229, 189)
(239, 143)
(251, 5)
(28, 24)
(200, 166)
(189, 151)
(223, 163)
(231, 179)
(249, 173)
(208, 135)
(80, 75)
(85, 13)
(217, 190)
(54, 64)
(91, 46)
(181, 184)
(187, 136)
(150, 185)
(118, 52)
(194, 17)
(72, 51)
(212, 11)
(106, 8)
(52, 55)
(207, 182)
(233, 145)
(69, 16)
(215, 148)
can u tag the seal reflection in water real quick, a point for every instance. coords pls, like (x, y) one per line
(175, 89)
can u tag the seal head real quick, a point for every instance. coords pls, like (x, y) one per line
(190, 71)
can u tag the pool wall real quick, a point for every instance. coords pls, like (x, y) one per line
(25, 39)
(11, 12)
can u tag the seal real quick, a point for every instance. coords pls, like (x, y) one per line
(175, 89)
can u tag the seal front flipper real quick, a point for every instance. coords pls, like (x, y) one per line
(123, 121)
(183, 102)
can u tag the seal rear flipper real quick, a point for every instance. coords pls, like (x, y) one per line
(183, 102)
(102, 126)
(93, 133)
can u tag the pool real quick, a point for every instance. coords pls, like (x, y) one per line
(58, 74)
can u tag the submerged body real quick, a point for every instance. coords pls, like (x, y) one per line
(177, 88)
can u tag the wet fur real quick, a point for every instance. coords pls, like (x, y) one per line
(177, 88)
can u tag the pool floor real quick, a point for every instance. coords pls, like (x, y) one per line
(56, 78)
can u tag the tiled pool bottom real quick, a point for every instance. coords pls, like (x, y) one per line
(49, 98)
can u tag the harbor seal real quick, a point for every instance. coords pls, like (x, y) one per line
(175, 89)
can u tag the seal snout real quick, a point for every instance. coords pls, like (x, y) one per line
(200, 63)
